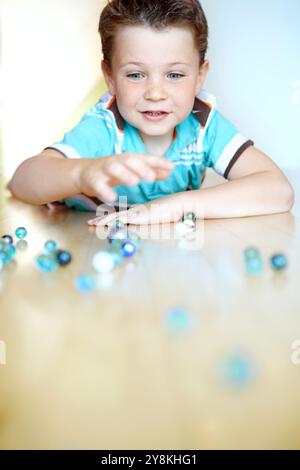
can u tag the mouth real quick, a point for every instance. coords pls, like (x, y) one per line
(155, 115)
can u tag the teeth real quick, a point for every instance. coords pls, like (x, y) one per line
(154, 114)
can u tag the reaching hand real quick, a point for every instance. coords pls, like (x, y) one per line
(96, 177)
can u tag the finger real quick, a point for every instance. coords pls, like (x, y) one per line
(109, 219)
(159, 162)
(105, 192)
(102, 220)
(124, 175)
(141, 168)
(162, 174)
(94, 221)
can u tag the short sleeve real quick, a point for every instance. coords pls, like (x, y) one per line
(223, 144)
(90, 138)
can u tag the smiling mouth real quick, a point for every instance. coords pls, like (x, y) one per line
(155, 113)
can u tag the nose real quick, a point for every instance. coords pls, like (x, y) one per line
(155, 91)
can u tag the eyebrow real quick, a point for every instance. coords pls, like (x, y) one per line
(168, 65)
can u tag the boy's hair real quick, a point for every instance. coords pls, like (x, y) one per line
(158, 14)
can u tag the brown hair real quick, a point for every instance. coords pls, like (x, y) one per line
(157, 14)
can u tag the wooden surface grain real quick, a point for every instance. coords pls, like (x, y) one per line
(101, 370)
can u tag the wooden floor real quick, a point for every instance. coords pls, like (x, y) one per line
(102, 370)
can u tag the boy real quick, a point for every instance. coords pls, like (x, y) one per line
(156, 130)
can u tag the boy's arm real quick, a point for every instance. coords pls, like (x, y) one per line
(256, 186)
(50, 176)
(46, 177)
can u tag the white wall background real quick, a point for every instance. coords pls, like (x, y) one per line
(255, 71)
(50, 69)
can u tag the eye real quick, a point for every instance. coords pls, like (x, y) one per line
(175, 75)
(135, 75)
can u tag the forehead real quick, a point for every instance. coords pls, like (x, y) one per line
(147, 45)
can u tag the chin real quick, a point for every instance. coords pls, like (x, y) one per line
(155, 133)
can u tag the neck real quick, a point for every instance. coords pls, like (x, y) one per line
(157, 145)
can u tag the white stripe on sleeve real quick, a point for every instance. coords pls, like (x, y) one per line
(68, 151)
(228, 153)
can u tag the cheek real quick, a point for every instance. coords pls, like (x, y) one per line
(184, 99)
(127, 92)
(184, 92)
(126, 103)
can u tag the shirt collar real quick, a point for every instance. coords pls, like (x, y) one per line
(186, 132)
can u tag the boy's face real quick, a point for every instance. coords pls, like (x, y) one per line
(167, 77)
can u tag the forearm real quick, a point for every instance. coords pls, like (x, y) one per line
(39, 180)
(255, 194)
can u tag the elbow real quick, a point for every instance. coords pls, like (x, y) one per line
(282, 194)
(290, 198)
(14, 186)
(10, 187)
(287, 196)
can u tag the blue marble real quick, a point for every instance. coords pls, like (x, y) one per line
(279, 262)
(189, 220)
(238, 369)
(251, 252)
(8, 239)
(21, 232)
(47, 263)
(189, 216)
(50, 246)
(253, 260)
(118, 224)
(63, 257)
(128, 249)
(7, 252)
(3, 245)
(86, 283)
(178, 320)
(254, 265)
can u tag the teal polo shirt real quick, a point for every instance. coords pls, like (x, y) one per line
(204, 139)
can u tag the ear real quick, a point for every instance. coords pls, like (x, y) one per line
(202, 76)
(107, 73)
